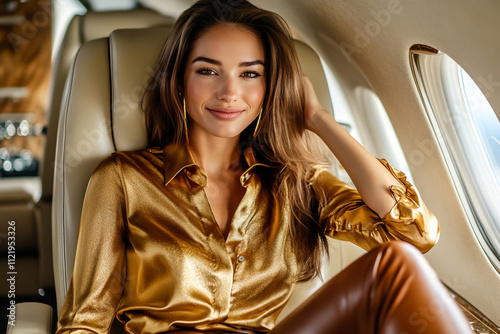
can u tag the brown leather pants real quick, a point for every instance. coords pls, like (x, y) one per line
(390, 290)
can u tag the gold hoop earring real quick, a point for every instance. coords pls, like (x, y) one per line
(257, 126)
(185, 120)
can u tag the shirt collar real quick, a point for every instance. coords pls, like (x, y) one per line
(178, 158)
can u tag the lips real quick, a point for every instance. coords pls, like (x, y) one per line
(225, 113)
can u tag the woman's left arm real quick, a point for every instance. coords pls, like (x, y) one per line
(385, 205)
(371, 178)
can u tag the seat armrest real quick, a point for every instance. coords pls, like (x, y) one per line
(29, 318)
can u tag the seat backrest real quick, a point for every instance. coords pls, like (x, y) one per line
(101, 113)
(81, 29)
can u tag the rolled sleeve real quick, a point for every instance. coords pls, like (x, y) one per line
(346, 217)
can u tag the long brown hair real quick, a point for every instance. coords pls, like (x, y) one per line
(282, 140)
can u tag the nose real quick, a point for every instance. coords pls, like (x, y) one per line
(228, 89)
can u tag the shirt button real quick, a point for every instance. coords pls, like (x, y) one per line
(241, 258)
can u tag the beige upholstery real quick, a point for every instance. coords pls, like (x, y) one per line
(112, 72)
(80, 30)
(85, 135)
(31, 318)
(17, 199)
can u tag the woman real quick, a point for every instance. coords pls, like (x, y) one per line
(211, 227)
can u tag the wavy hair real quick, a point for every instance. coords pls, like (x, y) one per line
(281, 142)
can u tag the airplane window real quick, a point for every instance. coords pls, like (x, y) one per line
(468, 132)
(485, 121)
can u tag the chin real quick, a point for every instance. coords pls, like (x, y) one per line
(227, 133)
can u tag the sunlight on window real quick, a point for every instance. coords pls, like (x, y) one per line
(485, 121)
(468, 132)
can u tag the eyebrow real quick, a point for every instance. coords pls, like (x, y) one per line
(218, 63)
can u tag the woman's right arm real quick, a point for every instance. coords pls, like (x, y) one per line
(99, 272)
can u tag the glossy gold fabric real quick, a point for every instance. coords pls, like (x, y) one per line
(151, 251)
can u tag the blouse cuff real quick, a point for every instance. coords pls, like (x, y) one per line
(409, 205)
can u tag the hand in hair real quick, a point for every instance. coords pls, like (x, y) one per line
(370, 177)
(312, 105)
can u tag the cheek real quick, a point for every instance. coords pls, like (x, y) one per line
(256, 95)
(197, 90)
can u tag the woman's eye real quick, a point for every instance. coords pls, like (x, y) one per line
(251, 74)
(205, 71)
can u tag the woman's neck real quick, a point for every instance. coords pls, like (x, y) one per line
(215, 155)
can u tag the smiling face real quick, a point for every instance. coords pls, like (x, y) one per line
(224, 83)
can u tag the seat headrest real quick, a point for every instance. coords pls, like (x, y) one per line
(98, 24)
(133, 56)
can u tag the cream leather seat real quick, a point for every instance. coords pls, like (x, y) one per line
(101, 114)
(81, 29)
(27, 201)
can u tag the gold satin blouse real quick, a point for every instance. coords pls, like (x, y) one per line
(151, 252)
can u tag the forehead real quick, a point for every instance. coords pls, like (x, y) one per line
(228, 41)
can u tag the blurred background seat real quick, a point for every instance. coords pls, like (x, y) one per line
(81, 29)
(28, 200)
